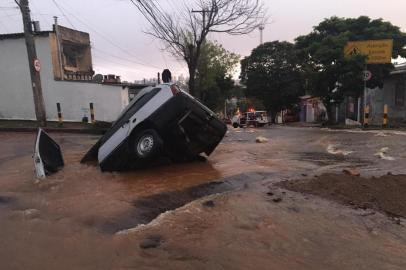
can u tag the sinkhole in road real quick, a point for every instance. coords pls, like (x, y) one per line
(146, 209)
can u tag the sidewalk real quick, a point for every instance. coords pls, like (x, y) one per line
(344, 127)
(52, 126)
(301, 124)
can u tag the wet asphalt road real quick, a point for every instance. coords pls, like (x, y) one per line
(201, 215)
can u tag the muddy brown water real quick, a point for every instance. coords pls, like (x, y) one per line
(109, 202)
(146, 209)
(324, 159)
(80, 209)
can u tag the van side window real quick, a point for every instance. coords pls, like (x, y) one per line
(145, 98)
(131, 111)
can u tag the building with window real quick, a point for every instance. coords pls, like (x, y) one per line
(393, 95)
(66, 78)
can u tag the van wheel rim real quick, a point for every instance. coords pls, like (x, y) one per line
(145, 144)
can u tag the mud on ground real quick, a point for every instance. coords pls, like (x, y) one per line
(386, 193)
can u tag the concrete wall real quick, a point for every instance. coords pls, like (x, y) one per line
(16, 99)
(396, 114)
(375, 100)
(379, 97)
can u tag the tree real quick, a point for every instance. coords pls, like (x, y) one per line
(271, 74)
(184, 32)
(214, 74)
(326, 67)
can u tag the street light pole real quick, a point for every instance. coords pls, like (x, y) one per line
(261, 30)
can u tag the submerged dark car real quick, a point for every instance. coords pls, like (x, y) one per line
(159, 121)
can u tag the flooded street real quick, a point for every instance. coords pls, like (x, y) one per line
(223, 213)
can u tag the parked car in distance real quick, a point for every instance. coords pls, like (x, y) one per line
(160, 121)
(253, 118)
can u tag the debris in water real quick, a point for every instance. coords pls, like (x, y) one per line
(277, 200)
(209, 204)
(269, 193)
(151, 241)
(382, 154)
(261, 139)
(351, 172)
(31, 213)
(381, 134)
(332, 149)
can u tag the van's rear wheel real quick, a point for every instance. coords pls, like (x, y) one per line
(146, 144)
(235, 125)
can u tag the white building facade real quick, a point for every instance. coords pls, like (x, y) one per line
(16, 97)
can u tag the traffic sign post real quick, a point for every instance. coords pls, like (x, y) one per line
(37, 65)
(377, 51)
(367, 75)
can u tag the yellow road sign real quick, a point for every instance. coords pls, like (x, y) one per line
(378, 51)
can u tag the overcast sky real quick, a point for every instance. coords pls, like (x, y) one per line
(120, 46)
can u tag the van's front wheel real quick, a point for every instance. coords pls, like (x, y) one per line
(146, 144)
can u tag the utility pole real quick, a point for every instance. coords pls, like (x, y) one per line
(203, 14)
(261, 32)
(58, 48)
(33, 63)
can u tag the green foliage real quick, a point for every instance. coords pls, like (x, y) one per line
(271, 75)
(323, 62)
(214, 74)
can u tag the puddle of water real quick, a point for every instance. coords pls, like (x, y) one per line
(146, 209)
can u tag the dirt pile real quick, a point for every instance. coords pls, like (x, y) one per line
(386, 193)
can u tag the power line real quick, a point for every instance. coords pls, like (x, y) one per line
(120, 58)
(120, 65)
(66, 17)
(40, 14)
(8, 7)
(109, 40)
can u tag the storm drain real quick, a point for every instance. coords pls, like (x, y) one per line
(146, 209)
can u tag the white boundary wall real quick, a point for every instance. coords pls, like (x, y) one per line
(16, 99)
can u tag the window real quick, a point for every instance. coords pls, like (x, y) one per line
(400, 93)
(71, 54)
(70, 60)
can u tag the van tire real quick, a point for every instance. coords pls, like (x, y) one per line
(235, 125)
(146, 144)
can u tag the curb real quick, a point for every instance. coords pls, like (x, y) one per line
(56, 130)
